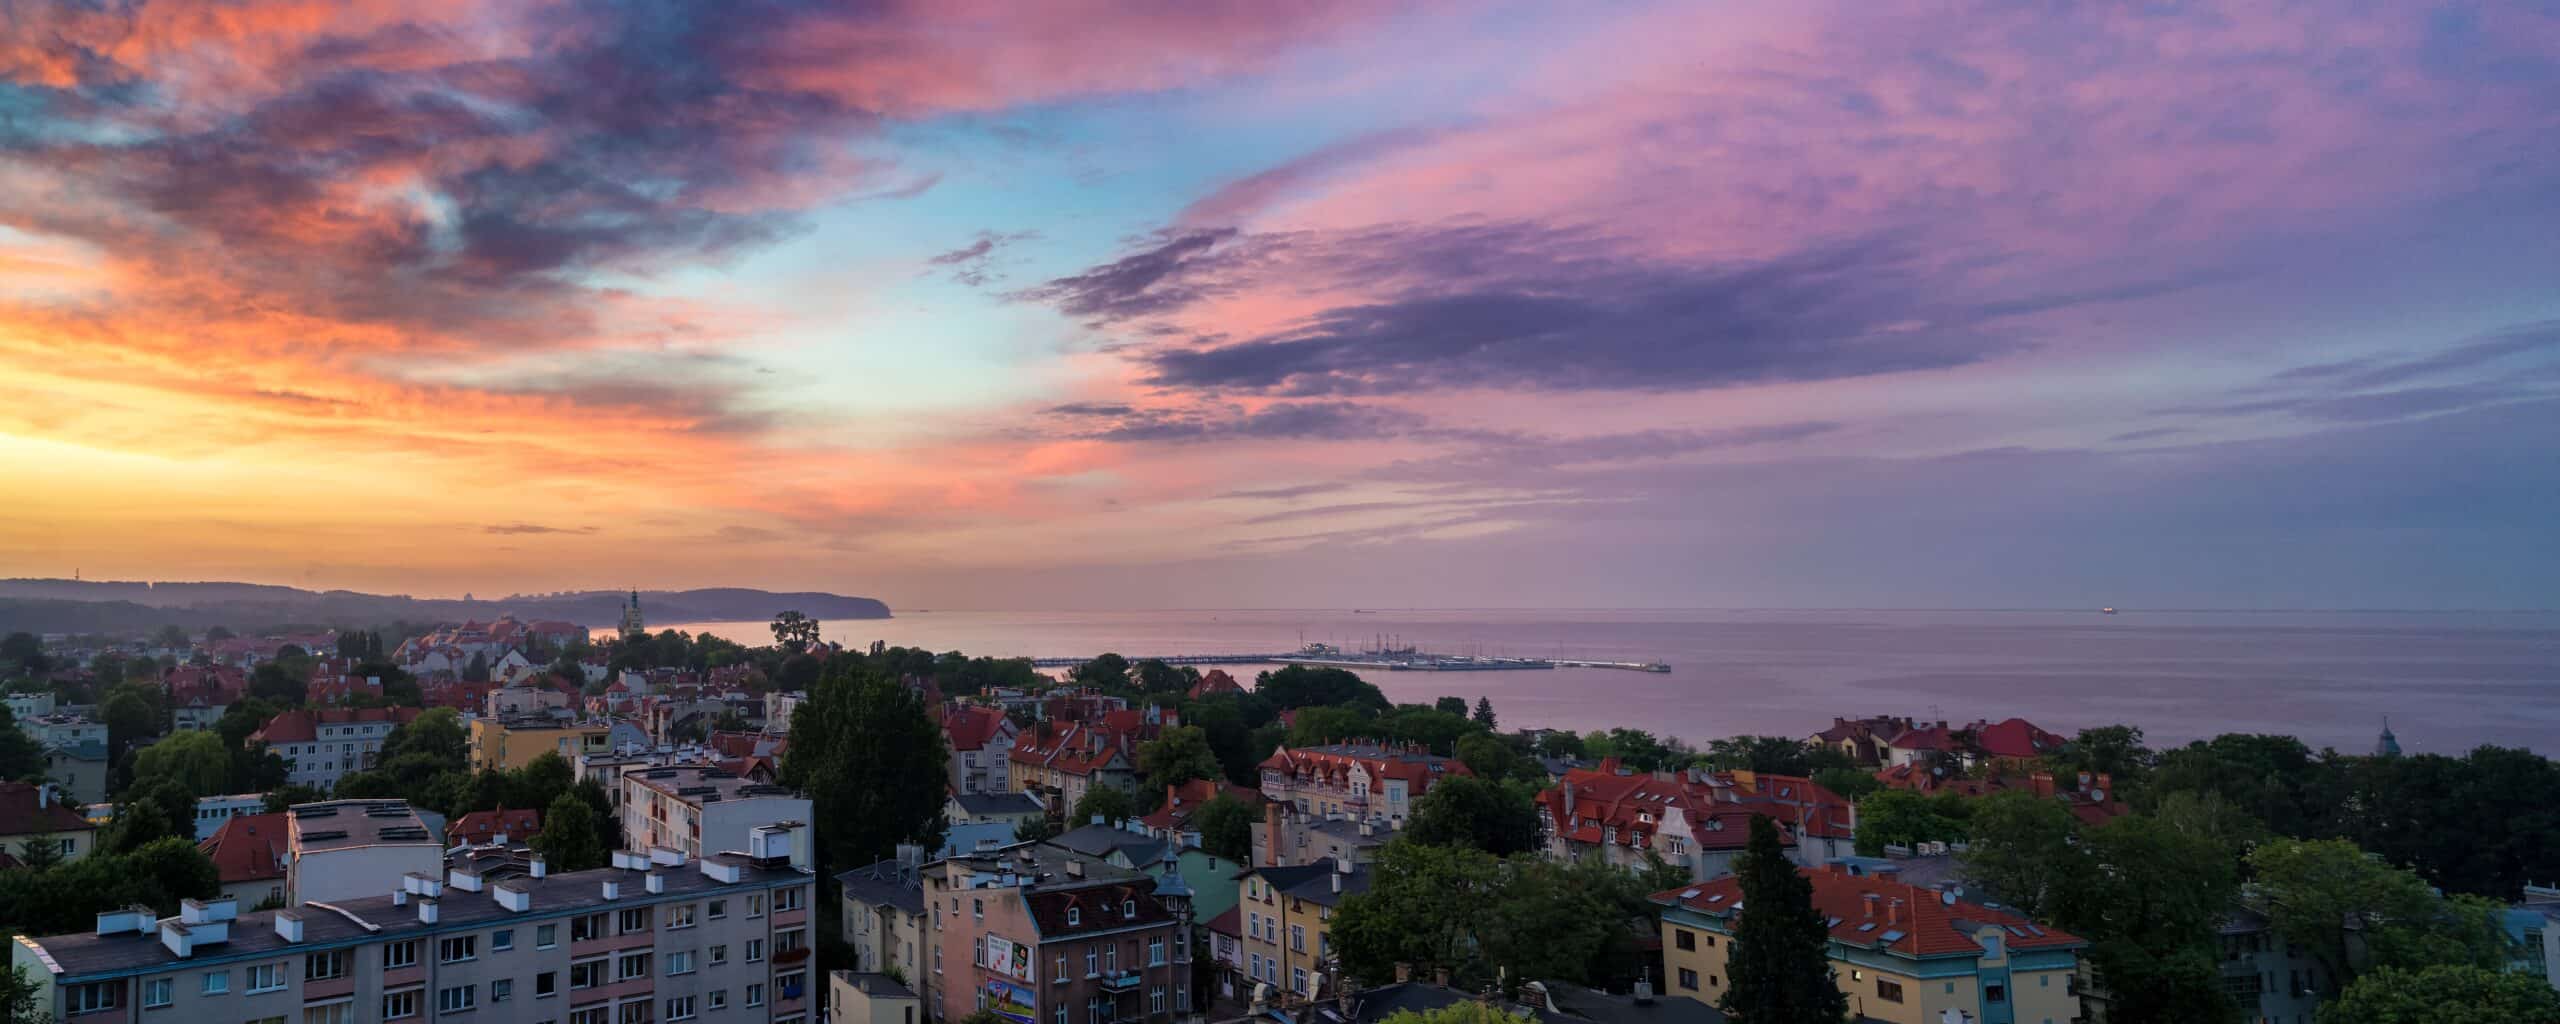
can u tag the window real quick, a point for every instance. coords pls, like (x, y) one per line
(500, 989)
(755, 995)
(1062, 1015)
(156, 992)
(1298, 980)
(1155, 1000)
(633, 921)
(1688, 979)
(1995, 993)
(457, 998)
(1155, 951)
(398, 1005)
(1073, 918)
(546, 936)
(589, 927)
(1888, 990)
(719, 955)
(334, 1013)
(636, 1012)
(680, 962)
(327, 966)
(216, 983)
(1128, 908)
(266, 978)
(502, 940)
(588, 974)
(755, 953)
(1298, 938)
(788, 899)
(632, 965)
(755, 904)
(717, 999)
(680, 916)
(545, 984)
(1684, 938)
(680, 1008)
(458, 949)
(104, 995)
(719, 909)
(1058, 976)
(591, 1015)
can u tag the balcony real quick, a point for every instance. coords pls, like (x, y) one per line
(1120, 981)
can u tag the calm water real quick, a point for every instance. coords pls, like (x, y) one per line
(2448, 681)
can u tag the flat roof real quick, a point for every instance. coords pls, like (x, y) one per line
(344, 824)
(81, 954)
(701, 784)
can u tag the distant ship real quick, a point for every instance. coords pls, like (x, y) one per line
(2106, 611)
(1362, 611)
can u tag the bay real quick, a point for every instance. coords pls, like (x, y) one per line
(2446, 681)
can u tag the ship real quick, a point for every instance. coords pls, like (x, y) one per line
(2106, 611)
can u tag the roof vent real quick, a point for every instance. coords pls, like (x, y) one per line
(512, 896)
(288, 925)
(426, 911)
(664, 857)
(465, 879)
(612, 889)
(656, 882)
(723, 870)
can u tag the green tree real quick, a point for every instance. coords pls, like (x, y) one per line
(1484, 713)
(477, 669)
(1902, 818)
(1451, 705)
(173, 637)
(1317, 726)
(152, 810)
(21, 999)
(2149, 898)
(871, 760)
(795, 632)
(2444, 994)
(1461, 1012)
(1109, 805)
(1226, 825)
(1559, 743)
(1462, 810)
(1156, 677)
(1109, 671)
(1425, 908)
(1778, 967)
(193, 759)
(1430, 728)
(1774, 755)
(1175, 756)
(24, 652)
(131, 717)
(1299, 686)
(569, 838)
(283, 798)
(20, 756)
(280, 683)
(2274, 779)
(2320, 892)
(2020, 849)
(1491, 757)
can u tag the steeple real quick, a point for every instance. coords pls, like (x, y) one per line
(2388, 745)
(632, 625)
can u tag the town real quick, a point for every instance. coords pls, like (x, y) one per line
(399, 823)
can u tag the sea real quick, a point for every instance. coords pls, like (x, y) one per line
(2445, 682)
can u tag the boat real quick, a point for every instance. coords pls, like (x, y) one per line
(2106, 611)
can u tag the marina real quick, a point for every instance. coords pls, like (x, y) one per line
(1386, 656)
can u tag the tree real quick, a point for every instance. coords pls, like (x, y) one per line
(2149, 899)
(1559, 743)
(1424, 908)
(20, 756)
(2021, 849)
(1109, 671)
(2314, 888)
(279, 683)
(1226, 825)
(477, 669)
(1317, 726)
(872, 761)
(1462, 810)
(1034, 830)
(1156, 677)
(1490, 757)
(1103, 803)
(1175, 756)
(131, 718)
(1899, 817)
(2445, 995)
(1298, 686)
(1484, 713)
(283, 798)
(21, 999)
(1451, 705)
(24, 652)
(1774, 755)
(173, 637)
(1779, 966)
(568, 840)
(193, 759)
(218, 634)
(153, 810)
(1465, 1011)
(795, 632)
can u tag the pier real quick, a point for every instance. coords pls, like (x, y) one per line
(1392, 661)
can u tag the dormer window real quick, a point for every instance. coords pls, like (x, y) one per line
(1073, 917)
(1128, 908)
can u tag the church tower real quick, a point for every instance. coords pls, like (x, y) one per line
(2387, 745)
(632, 626)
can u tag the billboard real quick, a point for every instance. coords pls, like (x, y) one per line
(1005, 956)
(1011, 1002)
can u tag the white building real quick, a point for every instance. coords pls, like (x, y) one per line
(349, 849)
(212, 811)
(699, 810)
(322, 745)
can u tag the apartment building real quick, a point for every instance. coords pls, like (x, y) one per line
(1286, 914)
(723, 940)
(1355, 781)
(1043, 934)
(1902, 953)
(322, 745)
(1696, 819)
(1062, 760)
(884, 919)
(505, 744)
(854, 998)
(344, 849)
(981, 741)
(698, 809)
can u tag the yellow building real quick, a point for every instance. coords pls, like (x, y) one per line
(504, 744)
(1901, 953)
(1286, 916)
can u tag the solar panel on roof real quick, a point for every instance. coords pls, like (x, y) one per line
(1890, 938)
(1867, 926)
(1691, 894)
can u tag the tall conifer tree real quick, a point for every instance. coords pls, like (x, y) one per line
(1780, 967)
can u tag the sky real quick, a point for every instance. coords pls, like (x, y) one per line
(1076, 304)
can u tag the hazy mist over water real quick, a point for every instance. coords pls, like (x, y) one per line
(2448, 681)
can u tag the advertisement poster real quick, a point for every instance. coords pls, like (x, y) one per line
(1011, 1002)
(1008, 957)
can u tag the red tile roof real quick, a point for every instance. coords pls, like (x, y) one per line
(25, 811)
(1213, 683)
(249, 847)
(1332, 763)
(1082, 748)
(972, 727)
(302, 725)
(1098, 908)
(1185, 799)
(2016, 738)
(1714, 808)
(1865, 909)
(480, 828)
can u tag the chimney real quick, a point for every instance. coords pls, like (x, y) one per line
(399, 897)
(1893, 911)
(1870, 900)
(128, 920)
(512, 896)
(2043, 782)
(656, 883)
(426, 911)
(1404, 972)
(1271, 829)
(612, 889)
(289, 925)
(539, 867)
(1337, 883)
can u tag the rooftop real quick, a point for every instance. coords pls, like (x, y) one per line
(347, 824)
(1882, 912)
(385, 917)
(703, 784)
(877, 986)
(996, 803)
